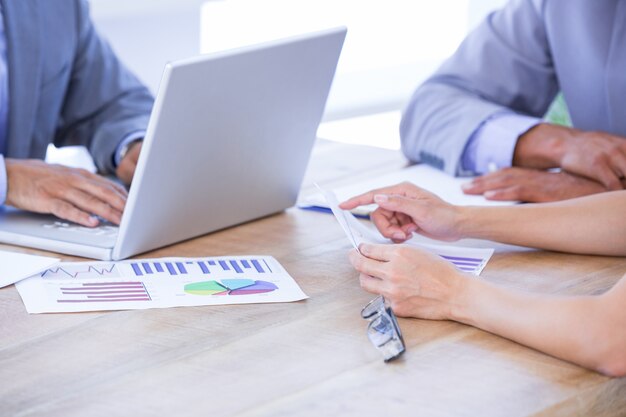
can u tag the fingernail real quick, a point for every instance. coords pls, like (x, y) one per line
(489, 194)
(381, 198)
(412, 228)
(467, 186)
(399, 236)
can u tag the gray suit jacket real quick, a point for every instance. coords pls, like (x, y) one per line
(65, 84)
(519, 58)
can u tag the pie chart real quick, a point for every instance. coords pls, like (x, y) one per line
(230, 287)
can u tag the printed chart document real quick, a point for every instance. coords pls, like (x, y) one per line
(17, 266)
(471, 260)
(158, 283)
(445, 186)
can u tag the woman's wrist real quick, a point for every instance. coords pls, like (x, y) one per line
(460, 298)
(465, 217)
(479, 222)
(467, 298)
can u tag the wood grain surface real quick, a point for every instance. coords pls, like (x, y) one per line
(308, 358)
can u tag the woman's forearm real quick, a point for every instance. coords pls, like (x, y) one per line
(591, 225)
(587, 330)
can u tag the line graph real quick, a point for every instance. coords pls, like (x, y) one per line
(82, 271)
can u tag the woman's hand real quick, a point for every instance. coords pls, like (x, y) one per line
(405, 208)
(415, 283)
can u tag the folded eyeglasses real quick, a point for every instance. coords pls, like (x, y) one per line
(383, 329)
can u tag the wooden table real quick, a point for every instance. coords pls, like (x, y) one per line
(309, 358)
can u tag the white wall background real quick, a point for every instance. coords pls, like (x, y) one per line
(148, 33)
(391, 46)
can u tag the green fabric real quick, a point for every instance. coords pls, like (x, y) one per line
(558, 113)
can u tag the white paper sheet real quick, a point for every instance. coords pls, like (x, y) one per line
(471, 260)
(158, 283)
(342, 217)
(427, 177)
(17, 266)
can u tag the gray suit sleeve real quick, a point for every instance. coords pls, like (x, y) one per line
(504, 64)
(104, 102)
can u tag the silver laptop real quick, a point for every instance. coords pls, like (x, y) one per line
(228, 141)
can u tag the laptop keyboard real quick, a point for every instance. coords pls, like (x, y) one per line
(103, 230)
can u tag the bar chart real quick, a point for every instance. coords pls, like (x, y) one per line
(204, 267)
(93, 292)
(466, 264)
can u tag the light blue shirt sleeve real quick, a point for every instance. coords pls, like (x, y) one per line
(4, 107)
(138, 135)
(3, 181)
(493, 143)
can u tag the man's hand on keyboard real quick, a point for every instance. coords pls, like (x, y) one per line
(72, 194)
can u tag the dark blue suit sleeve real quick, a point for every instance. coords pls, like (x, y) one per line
(104, 101)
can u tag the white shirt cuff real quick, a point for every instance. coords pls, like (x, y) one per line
(3, 181)
(131, 137)
(492, 145)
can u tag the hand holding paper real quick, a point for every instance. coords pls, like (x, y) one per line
(472, 260)
(343, 217)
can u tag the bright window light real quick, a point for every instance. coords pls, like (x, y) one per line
(380, 33)
(390, 48)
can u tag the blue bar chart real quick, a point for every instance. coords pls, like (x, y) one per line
(466, 264)
(205, 267)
